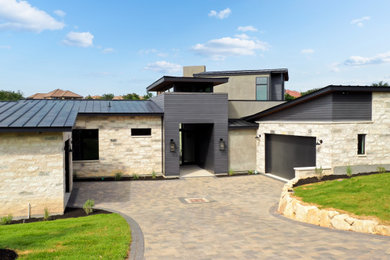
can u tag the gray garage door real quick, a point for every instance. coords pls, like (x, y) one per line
(284, 152)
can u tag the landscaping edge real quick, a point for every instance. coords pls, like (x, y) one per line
(293, 208)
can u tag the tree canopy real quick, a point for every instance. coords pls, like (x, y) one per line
(380, 84)
(10, 95)
(107, 96)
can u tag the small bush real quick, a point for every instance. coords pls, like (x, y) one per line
(349, 171)
(319, 173)
(88, 206)
(135, 176)
(154, 175)
(381, 169)
(46, 215)
(6, 220)
(230, 172)
(250, 172)
(118, 176)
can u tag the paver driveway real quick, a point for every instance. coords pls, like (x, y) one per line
(238, 224)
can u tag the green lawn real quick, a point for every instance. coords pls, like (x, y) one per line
(363, 195)
(103, 236)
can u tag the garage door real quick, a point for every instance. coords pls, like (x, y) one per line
(284, 152)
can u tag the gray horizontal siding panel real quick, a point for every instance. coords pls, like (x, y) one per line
(355, 106)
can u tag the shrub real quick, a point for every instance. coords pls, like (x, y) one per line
(250, 172)
(381, 169)
(230, 172)
(6, 220)
(154, 175)
(88, 206)
(118, 176)
(46, 215)
(135, 176)
(319, 173)
(349, 171)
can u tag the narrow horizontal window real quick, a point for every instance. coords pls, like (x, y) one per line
(85, 144)
(361, 144)
(141, 131)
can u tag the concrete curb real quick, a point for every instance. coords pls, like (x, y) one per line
(137, 246)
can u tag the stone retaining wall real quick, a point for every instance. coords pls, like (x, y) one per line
(293, 208)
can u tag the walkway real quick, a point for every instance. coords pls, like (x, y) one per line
(237, 222)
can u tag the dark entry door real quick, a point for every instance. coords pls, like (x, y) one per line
(67, 166)
(284, 152)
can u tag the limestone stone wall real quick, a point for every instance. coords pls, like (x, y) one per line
(242, 149)
(31, 171)
(118, 150)
(339, 146)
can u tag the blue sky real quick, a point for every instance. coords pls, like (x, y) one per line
(96, 47)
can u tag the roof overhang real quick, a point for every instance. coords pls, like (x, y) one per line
(166, 82)
(283, 71)
(314, 95)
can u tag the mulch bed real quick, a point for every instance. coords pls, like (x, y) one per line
(329, 178)
(141, 178)
(7, 254)
(69, 213)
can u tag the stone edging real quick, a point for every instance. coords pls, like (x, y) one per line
(293, 208)
(137, 247)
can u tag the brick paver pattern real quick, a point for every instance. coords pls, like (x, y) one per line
(237, 223)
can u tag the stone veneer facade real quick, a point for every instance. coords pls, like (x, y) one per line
(32, 171)
(118, 150)
(339, 147)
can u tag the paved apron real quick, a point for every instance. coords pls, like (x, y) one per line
(238, 222)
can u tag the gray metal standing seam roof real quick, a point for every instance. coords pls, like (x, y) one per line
(60, 115)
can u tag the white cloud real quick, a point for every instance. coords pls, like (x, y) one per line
(248, 28)
(20, 15)
(359, 21)
(242, 36)
(221, 14)
(81, 39)
(335, 67)
(164, 67)
(219, 49)
(360, 61)
(59, 13)
(108, 50)
(307, 51)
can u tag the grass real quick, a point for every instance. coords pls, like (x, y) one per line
(363, 195)
(103, 236)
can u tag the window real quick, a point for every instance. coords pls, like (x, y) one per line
(261, 88)
(141, 131)
(85, 144)
(361, 144)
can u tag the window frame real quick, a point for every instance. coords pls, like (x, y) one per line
(78, 148)
(361, 144)
(262, 84)
(141, 135)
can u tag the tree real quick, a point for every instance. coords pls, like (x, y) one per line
(309, 91)
(10, 95)
(107, 96)
(288, 97)
(380, 84)
(131, 96)
(88, 97)
(147, 96)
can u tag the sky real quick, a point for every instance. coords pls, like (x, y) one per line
(120, 47)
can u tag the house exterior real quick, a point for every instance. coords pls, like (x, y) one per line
(56, 94)
(219, 121)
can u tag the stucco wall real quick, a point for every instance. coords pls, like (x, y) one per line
(240, 87)
(118, 150)
(242, 149)
(31, 171)
(339, 147)
(241, 108)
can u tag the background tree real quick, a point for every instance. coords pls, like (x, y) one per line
(147, 96)
(380, 84)
(107, 96)
(88, 97)
(288, 97)
(131, 96)
(10, 95)
(309, 91)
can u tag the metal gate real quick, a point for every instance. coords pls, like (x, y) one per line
(284, 152)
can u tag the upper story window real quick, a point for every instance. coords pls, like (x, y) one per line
(261, 88)
(85, 144)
